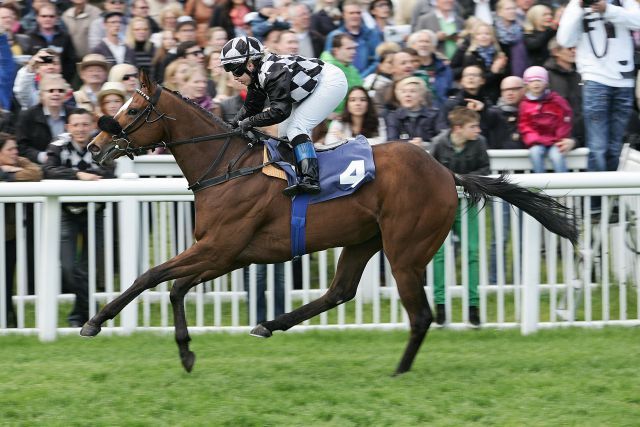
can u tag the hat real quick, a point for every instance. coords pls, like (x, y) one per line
(93, 59)
(111, 88)
(118, 71)
(184, 20)
(53, 81)
(535, 73)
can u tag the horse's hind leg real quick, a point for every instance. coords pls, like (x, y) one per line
(178, 292)
(343, 288)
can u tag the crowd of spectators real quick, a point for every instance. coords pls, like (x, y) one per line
(525, 69)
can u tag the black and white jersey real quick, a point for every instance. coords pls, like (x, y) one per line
(65, 159)
(281, 81)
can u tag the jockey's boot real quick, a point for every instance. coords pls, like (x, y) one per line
(308, 171)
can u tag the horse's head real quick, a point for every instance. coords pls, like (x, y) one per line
(135, 126)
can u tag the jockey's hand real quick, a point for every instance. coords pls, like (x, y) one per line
(244, 125)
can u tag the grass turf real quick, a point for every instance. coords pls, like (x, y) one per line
(487, 377)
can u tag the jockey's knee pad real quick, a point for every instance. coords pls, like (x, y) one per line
(303, 147)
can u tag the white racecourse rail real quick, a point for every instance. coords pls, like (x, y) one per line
(539, 280)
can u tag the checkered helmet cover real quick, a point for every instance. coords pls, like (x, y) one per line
(235, 50)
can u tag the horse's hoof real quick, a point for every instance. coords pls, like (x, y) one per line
(188, 360)
(90, 330)
(260, 332)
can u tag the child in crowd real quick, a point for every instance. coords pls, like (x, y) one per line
(544, 122)
(462, 150)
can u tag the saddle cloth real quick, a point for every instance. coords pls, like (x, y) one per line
(343, 168)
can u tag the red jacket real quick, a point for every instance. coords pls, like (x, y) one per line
(544, 121)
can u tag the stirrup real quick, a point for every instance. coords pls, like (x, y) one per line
(292, 190)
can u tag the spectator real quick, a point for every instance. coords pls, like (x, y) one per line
(68, 158)
(216, 40)
(413, 120)
(566, 81)
(381, 11)
(230, 99)
(342, 56)
(470, 95)
(402, 66)
(39, 124)
(484, 52)
(382, 77)
(506, 134)
(544, 122)
(310, 41)
(193, 53)
(261, 288)
(201, 11)
(25, 87)
(523, 7)
(446, 23)
(158, 8)
(175, 73)
(229, 14)
(140, 9)
(111, 46)
(157, 64)
(29, 21)
(366, 40)
(138, 34)
(49, 35)
(77, 20)
(214, 72)
(168, 19)
(111, 97)
(97, 29)
(185, 32)
(327, 17)
(358, 118)
(439, 76)
(462, 150)
(13, 168)
(510, 36)
(19, 42)
(271, 16)
(126, 74)
(194, 87)
(93, 73)
(7, 73)
(538, 31)
(288, 43)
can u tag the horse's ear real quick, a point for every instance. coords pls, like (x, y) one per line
(147, 82)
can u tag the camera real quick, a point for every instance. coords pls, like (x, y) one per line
(589, 3)
(47, 59)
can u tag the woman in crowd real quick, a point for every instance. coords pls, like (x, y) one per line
(168, 20)
(510, 36)
(175, 73)
(484, 52)
(138, 33)
(13, 168)
(538, 31)
(126, 74)
(157, 63)
(110, 98)
(358, 118)
(194, 87)
(229, 14)
(217, 38)
(382, 77)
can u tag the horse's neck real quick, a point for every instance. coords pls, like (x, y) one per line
(196, 158)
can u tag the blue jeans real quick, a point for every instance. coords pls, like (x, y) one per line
(261, 287)
(606, 112)
(537, 154)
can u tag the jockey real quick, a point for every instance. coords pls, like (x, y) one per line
(299, 93)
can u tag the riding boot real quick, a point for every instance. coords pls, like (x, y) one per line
(308, 171)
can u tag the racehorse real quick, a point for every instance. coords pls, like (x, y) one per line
(408, 209)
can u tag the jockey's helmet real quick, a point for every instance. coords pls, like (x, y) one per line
(237, 52)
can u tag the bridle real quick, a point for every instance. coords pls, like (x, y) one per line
(123, 144)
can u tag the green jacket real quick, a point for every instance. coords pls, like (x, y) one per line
(352, 73)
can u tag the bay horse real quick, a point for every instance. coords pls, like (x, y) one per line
(408, 209)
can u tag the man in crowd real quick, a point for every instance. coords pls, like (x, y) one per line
(310, 42)
(77, 19)
(97, 30)
(436, 73)
(28, 78)
(93, 73)
(68, 158)
(111, 46)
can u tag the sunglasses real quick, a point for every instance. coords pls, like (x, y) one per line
(129, 76)
(199, 52)
(47, 16)
(55, 90)
(117, 2)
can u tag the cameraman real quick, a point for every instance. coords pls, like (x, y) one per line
(600, 31)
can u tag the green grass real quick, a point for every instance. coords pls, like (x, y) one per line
(568, 377)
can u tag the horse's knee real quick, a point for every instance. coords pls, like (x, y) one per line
(420, 324)
(337, 296)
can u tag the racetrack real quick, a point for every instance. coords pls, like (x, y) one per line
(487, 377)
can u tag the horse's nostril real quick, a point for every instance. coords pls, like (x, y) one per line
(93, 148)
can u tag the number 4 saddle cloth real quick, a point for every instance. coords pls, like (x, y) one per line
(343, 168)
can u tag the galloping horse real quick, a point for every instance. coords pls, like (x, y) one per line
(408, 210)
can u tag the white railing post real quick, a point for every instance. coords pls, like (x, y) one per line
(531, 249)
(129, 225)
(48, 281)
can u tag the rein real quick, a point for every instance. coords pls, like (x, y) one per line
(110, 125)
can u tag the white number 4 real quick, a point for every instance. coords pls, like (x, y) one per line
(353, 174)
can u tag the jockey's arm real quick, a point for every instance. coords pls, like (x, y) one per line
(277, 87)
(253, 104)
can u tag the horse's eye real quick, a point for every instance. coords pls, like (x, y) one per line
(132, 112)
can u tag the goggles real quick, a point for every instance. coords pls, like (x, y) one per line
(236, 68)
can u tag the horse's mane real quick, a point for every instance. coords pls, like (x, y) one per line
(217, 120)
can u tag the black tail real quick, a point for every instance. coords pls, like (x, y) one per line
(554, 216)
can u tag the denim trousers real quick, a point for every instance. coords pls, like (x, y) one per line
(606, 114)
(538, 154)
(261, 287)
(473, 259)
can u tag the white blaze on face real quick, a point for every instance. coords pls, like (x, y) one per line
(124, 107)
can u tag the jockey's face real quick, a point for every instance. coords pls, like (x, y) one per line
(245, 79)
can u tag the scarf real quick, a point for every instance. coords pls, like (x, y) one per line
(487, 54)
(508, 34)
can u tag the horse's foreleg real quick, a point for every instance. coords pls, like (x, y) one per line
(191, 262)
(178, 292)
(343, 288)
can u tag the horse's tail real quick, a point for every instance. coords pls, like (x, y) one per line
(554, 216)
